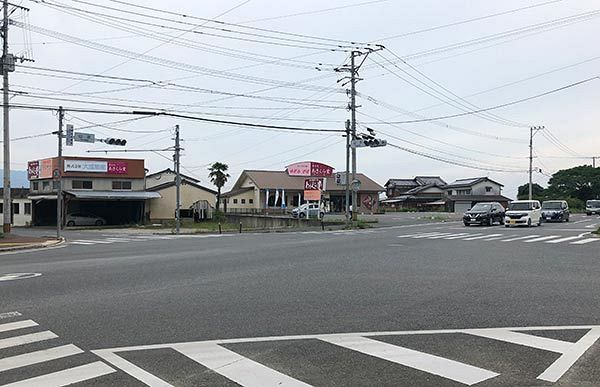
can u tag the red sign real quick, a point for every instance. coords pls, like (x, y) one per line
(309, 168)
(313, 185)
(45, 168)
(312, 195)
(117, 168)
(33, 170)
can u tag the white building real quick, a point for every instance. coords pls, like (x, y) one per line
(21, 207)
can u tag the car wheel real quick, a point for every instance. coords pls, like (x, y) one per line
(70, 223)
(302, 215)
(529, 222)
(589, 214)
(321, 215)
(567, 220)
(539, 222)
(466, 224)
(501, 220)
(99, 223)
(490, 221)
(506, 225)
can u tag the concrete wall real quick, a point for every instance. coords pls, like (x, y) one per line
(164, 208)
(273, 222)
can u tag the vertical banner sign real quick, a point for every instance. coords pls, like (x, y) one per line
(33, 170)
(46, 169)
(69, 136)
(313, 188)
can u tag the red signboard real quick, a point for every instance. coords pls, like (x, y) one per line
(312, 195)
(309, 168)
(117, 167)
(33, 170)
(45, 169)
(313, 184)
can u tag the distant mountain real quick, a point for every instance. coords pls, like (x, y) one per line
(18, 179)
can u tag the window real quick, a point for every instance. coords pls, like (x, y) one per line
(27, 209)
(1, 208)
(35, 186)
(121, 185)
(450, 192)
(82, 184)
(463, 191)
(251, 201)
(55, 185)
(234, 201)
(16, 208)
(46, 186)
(488, 189)
(243, 201)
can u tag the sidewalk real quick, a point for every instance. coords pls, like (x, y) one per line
(13, 242)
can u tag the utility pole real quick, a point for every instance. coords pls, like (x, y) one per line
(5, 69)
(594, 161)
(177, 180)
(59, 198)
(532, 131)
(347, 172)
(353, 72)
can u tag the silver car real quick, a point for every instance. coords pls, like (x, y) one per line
(80, 219)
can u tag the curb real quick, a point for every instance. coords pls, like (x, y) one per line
(34, 246)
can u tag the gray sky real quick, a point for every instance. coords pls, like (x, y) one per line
(448, 56)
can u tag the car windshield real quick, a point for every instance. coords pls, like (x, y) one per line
(552, 205)
(521, 206)
(593, 204)
(481, 207)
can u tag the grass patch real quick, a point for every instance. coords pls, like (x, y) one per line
(597, 232)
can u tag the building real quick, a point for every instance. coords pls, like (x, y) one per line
(418, 193)
(463, 194)
(163, 208)
(114, 189)
(21, 206)
(397, 187)
(257, 191)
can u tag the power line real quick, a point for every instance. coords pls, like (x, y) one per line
(109, 127)
(499, 106)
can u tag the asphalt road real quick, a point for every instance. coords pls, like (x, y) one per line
(409, 304)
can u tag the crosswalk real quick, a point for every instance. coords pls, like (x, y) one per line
(578, 240)
(129, 238)
(27, 349)
(491, 355)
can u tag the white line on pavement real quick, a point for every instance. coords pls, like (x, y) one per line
(569, 357)
(499, 237)
(519, 238)
(527, 340)
(66, 377)
(130, 368)
(462, 235)
(585, 241)
(9, 363)
(564, 239)
(449, 369)
(417, 234)
(544, 238)
(482, 237)
(82, 243)
(26, 339)
(89, 242)
(429, 235)
(236, 367)
(440, 236)
(17, 325)
(9, 315)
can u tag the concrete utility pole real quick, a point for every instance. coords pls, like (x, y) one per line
(177, 181)
(532, 131)
(353, 72)
(59, 198)
(594, 161)
(347, 172)
(5, 69)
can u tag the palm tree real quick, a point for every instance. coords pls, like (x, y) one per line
(218, 176)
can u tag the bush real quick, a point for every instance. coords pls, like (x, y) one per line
(576, 204)
(219, 217)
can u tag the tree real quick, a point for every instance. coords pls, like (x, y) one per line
(581, 182)
(537, 190)
(218, 176)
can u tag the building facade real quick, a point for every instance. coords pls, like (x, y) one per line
(21, 206)
(463, 194)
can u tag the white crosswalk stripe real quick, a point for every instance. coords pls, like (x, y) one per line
(109, 239)
(585, 241)
(544, 238)
(473, 236)
(559, 240)
(53, 353)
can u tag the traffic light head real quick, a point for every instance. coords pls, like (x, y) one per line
(115, 141)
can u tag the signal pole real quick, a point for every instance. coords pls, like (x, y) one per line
(347, 172)
(177, 181)
(5, 69)
(59, 201)
(532, 131)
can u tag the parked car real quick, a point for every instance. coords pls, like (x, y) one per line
(80, 219)
(555, 210)
(311, 210)
(523, 213)
(592, 207)
(484, 214)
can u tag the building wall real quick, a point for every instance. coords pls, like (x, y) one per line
(166, 177)
(21, 219)
(164, 208)
(104, 184)
(479, 188)
(235, 202)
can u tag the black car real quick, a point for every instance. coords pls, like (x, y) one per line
(555, 211)
(484, 214)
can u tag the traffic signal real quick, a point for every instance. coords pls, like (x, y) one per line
(375, 142)
(115, 141)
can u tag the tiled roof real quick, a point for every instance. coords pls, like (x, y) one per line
(281, 180)
(470, 182)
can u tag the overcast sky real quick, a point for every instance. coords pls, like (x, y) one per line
(540, 51)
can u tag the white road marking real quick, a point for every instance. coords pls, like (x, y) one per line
(417, 234)
(89, 242)
(519, 238)
(82, 243)
(440, 236)
(430, 235)
(9, 363)
(464, 235)
(236, 367)
(499, 237)
(544, 238)
(17, 325)
(130, 368)
(26, 339)
(585, 241)
(9, 315)
(565, 239)
(508, 336)
(449, 369)
(66, 377)
(482, 237)
(569, 357)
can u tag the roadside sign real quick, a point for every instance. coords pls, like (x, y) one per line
(56, 173)
(355, 185)
(312, 195)
(309, 168)
(84, 137)
(69, 136)
(313, 184)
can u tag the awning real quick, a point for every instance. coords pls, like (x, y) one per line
(41, 197)
(114, 195)
(436, 203)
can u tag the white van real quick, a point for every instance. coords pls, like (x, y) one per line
(523, 213)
